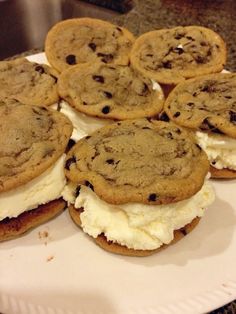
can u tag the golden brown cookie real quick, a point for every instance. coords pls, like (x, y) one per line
(123, 250)
(222, 173)
(206, 102)
(28, 82)
(172, 55)
(110, 91)
(14, 227)
(32, 139)
(150, 162)
(82, 40)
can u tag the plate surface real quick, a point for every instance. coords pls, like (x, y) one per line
(57, 269)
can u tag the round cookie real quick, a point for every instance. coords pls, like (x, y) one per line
(28, 82)
(110, 91)
(32, 139)
(150, 162)
(14, 227)
(206, 102)
(172, 55)
(123, 250)
(84, 40)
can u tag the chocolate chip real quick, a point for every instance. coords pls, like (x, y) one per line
(88, 184)
(189, 38)
(152, 197)
(119, 29)
(69, 162)
(39, 69)
(179, 36)
(213, 162)
(190, 104)
(87, 137)
(194, 94)
(54, 77)
(183, 231)
(228, 97)
(71, 59)
(98, 78)
(70, 144)
(146, 128)
(106, 109)
(177, 114)
(200, 59)
(107, 94)
(198, 146)
(149, 55)
(84, 103)
(178, 131)
(232, 115)
(92, 46)
(77, 191)
(163, 117)
(105, 57)
(167, 65)
(203, 43)
(169, 135)
(178, 50)
(144, 90)
(209, 88)
(206, 125)
(110, 161)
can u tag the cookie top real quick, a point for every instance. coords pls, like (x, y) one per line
(150, 162)
(30, 83)
(172, 55)
(32, 139)
(206, 103)
(83, 40)
(110, 91)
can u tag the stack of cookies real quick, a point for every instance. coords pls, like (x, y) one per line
(132, 182)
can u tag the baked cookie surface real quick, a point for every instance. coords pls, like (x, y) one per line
(206, 103)
(28, 82)
(110, 91)
(32, 139)
(172, 55)
(116, 248)
(14, 227)
(83, 40)
(150, 162)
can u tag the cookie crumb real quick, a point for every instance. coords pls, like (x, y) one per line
(50, 258)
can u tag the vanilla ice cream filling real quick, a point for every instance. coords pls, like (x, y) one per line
(220, 149)
(41, 190)
(137, 226)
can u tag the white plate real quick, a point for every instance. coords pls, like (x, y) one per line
(67, 273)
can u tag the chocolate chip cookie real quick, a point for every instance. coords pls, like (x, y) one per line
(84, 40)
(32, 139)
(110, 91)
(172, 55)
(30, 83)
(150, 162)
(207, 104)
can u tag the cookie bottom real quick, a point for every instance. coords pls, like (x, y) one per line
(109, 246)
(14, 227)
(222, 173)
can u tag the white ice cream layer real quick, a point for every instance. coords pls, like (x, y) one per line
(220, 149)
(41, 190)
(134, 225)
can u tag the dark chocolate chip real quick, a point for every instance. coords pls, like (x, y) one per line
(84, 103)
(228, 97)
(119, 29)
(190, 104)
(92, 46)
(164, 117)
(194, 94)
(105, 57)
(107, 94)
(149, 55)
(179, 36)
(144, 90)
(39, 69)
(77, 191)
(167, 65)
(70, 144)
(200, 59)
(70, 161)
(213, 162)
(54, 77)
(87, 137)
(88, 184)
(198, 146)
(206, 125)
(178, 131)
(183, 231)
(146, 128)
(98, 78)
(177, 114)
(178, 50)
(71, 59)
(203, 43)
(169, 135)
(152, 197)
(110, 161)
(106, 109)
(189, 38)
(208, 88)
(232, 115)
